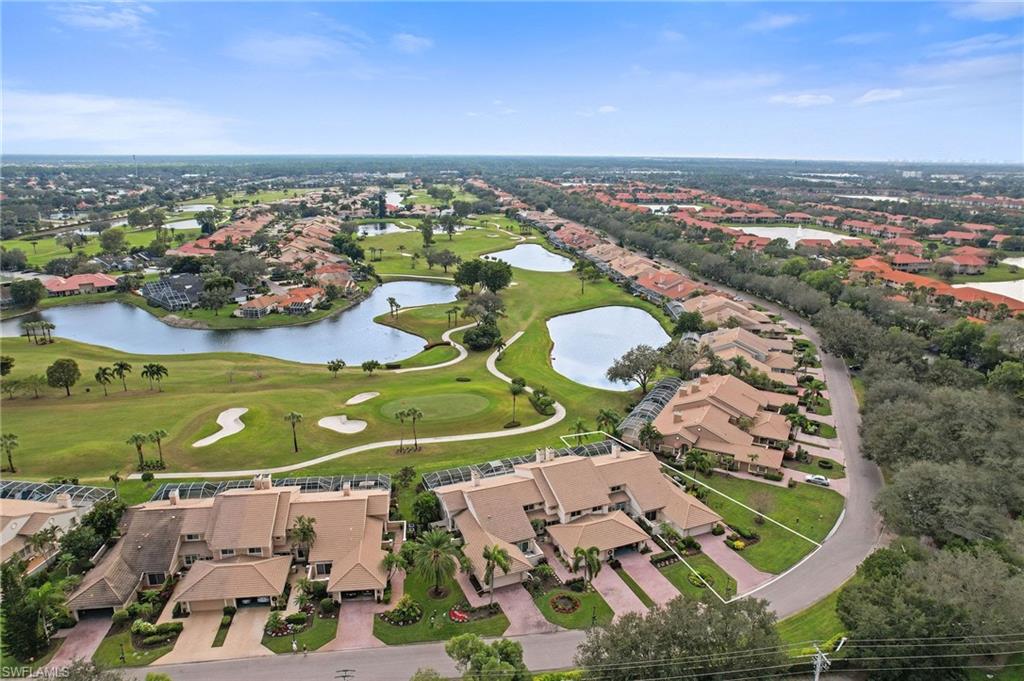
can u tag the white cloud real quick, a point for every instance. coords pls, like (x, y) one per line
(670, 36)
(607, 109)
(999, 10)
(773, 22)
(879, 95)
(296, 50)
(862, 38)
(802, 100)
(411, 44)
(107, 16)
(100, 124)
(978, 43)
(966, 69)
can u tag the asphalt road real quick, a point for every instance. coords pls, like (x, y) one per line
(858, 534)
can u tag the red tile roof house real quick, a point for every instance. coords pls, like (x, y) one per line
(798, 217)
(814, 244)
(662, 285)
(958, 238)
(998, 239)
(258, 307)
(756, 243)
(965, 264)
(973, 250)
(908, 262)
(857, 242)
(902, 243)
(302, 300)
(78, 284)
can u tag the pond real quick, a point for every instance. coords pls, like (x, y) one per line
(587, 343)
(351, 335)
(182, 224)
(194, 207)
(533, 257)
(793, 234)
(379, 228)
(1017, 261)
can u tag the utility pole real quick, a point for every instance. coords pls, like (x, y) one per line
(345, 674)
(821, 663)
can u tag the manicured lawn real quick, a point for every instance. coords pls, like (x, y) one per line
(721, 582)
(837, 471)
(322, 631)
(241, 198)
(1000, 272)
(635, 588)
(810, 510)
(593, 609)
(443, 628)
(47, 248)
(821, 406)
(222, 633)
(108, 655)
(437, 407)
(817, 623)
(826, 430)
(858, 388)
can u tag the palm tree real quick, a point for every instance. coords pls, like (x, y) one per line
(414, 415)
(579, 427)
(740, 365)
(47, 600)
(303, 534)
(154, 372)
(400, 415)
(434, 559)
(138, 439)
(453, 313)
(516, 391)
(499, 345)
(391, 563)
(589, 560)
(495, 557)
(293, 417)
(66, 561)
(393, 304)
(104, 376)
(699, 460)
(649, 436)
(122, 369)
(8, 443)
(116, 479)
(157, 436)
(608, 421)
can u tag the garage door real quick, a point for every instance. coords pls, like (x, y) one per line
(95, 613)
(204, 606)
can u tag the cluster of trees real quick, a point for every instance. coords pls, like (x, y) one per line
(486, 305)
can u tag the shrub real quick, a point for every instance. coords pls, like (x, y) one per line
(463, 379)
(718, 530)
(147, 477)
(393, 365)
(296, 618)
(178, 611)
(225, 621)
(826, 464)
(690, 543)
(156, 639)
(230, 610)
(141, 627)
(615, 564)
(773, 475)
(736, 545)
(328, 606)
(577, 585)
(121, 616)
(791, 484)
(169, 628)
(663, 556)
(151, 596)
(407, 611)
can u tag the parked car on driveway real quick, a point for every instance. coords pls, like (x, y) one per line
(817, 480)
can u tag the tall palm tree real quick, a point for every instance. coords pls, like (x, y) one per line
(293, 417)
(303, 534)
(589, 560)
(157, 437)
(453, 313)
(154, 372)
(740, 366)
(391, 563)
(122, 369)
(104, 376)
(400, 415)
(414, 415)
(648, 436)
(8, 443)
(699, 460)
(579, 427)
(138, 439)
(608, 421)
(516, 391)
(393, 304)
(66, 561)
(495, 557)
(116, 479)
(48, 601)
(434, 559)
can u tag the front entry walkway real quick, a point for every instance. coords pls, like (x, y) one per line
(615, 592)
(638, 566)
(746, 575)
(80, 642)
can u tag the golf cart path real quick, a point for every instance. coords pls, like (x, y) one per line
(446, 337)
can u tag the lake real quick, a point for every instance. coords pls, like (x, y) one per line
(533, 257)
(587, 343)
(379, 228)
(793, 234)
(194, 207)
(1017, 261)
(1011, 289)
(183, 224)
(351, 335)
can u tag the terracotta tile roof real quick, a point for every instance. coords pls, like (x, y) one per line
(218, 580)
(605, 531)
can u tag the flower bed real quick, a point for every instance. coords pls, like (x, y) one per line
(457, 616)
(708, 580)
(406, 612)
(564, 603)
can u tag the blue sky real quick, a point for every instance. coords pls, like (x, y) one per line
(867, 80)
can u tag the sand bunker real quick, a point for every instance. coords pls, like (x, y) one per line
(230, 422)
(341, 424)
(361, 397)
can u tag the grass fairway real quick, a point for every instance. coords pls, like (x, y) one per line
(324, 629)
(593, 609)
(819, 622)
(242, 198)
(721, 582)
(810, 510)
(47, 248)
(440, 407)
(443, 628)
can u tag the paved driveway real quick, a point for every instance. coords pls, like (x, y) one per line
(619, 596)
(80, 641)
(746, 575)
(195, 644)
(522, 612)
(656, 585)
(355, 625)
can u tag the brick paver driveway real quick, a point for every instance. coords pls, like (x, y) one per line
(746, 575)
(619, 596)
(522, 612)
(195, 644)
(656, 585)
(355, 625)
(80, 642)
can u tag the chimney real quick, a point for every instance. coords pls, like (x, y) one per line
(174, 496)
(538, 455)
(346, 489)
(64, 500)
(475, 477)
(616, 450)
(549, 454)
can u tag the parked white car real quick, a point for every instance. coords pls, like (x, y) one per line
(817, 480)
